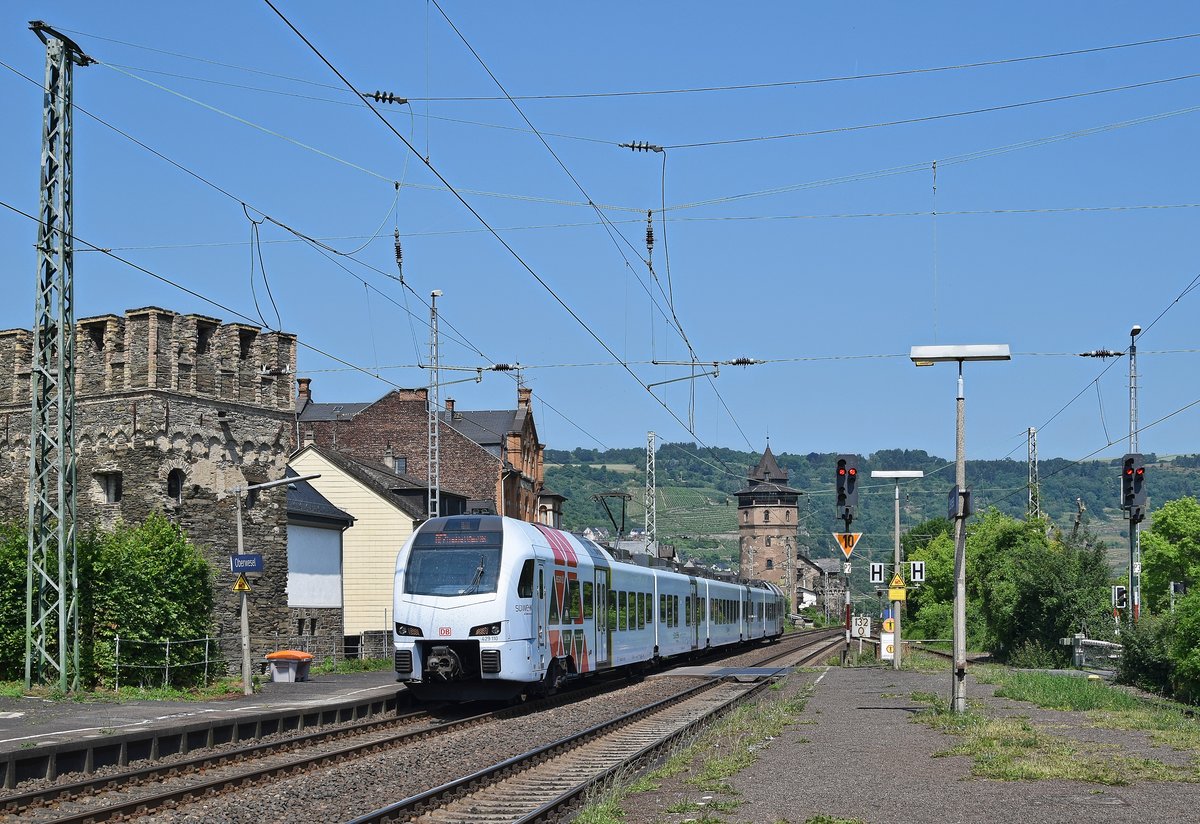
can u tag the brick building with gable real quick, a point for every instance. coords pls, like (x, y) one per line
(493, 456)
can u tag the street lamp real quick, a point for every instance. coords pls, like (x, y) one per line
(897, 475)
(927, 356)
(240, 491)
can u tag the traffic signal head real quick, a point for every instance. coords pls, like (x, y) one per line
(847, 484)
(1133, 486)
(1119, 600)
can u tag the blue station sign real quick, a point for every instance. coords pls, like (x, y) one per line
(250, 563)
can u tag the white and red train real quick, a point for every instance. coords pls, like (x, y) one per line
(488, 607)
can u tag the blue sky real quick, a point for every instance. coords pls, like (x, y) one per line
(1049, 246)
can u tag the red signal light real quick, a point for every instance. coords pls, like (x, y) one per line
(841, 470)
(853, 471)
(1141, 470)
(1129, 471)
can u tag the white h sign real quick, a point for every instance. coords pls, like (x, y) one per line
(917, 574)
(877, 574)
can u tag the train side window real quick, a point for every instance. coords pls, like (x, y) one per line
(574, 604)
(588, 595)
(641, 610)
(612, 610)
(554, 610)
(662, 608)
(675, 612)
(650, 608)
(525, 582)
(622, 611)
(687, 611)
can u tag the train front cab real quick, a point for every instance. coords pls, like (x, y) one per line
(460, 633)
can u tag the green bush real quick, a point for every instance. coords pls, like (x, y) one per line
(1032, 655)
(1146, 654)
(149, 583)
(1185, 649)
(14, 551)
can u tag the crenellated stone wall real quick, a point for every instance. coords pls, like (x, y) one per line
(175, 411)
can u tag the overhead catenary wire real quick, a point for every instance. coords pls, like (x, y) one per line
(516, 256)
(693, 219)
(952, 160)
(236, 313)
(929, 118)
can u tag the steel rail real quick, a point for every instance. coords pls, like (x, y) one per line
(485, 780)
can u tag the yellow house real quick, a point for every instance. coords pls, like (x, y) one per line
(386, 506)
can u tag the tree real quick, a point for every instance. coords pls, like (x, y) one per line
(1032, 587)
(1171, 551)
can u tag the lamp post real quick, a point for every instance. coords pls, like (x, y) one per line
(1135, 547)
(897, 475)
(926, 356)
(240, 491)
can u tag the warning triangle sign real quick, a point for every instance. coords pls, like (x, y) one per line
(897, 581)
(241, 585)
(847, 541)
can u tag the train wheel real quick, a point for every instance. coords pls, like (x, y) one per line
(554, 678)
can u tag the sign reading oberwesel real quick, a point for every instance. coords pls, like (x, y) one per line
(246, 563)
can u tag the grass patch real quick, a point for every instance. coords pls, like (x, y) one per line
(920, 661)
(350, 665)
(1012, 749)
(1108, 708)
(1057, 692)
(218, 689)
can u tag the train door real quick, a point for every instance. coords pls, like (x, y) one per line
(695, 612)
(540, 608)
(601, 613)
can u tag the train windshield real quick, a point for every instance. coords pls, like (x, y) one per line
(458, 562)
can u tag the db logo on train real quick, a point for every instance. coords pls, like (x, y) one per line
(445, 632)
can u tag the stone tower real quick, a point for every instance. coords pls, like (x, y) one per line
(767, 525)
(173, 411)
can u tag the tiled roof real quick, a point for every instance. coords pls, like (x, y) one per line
(382, 480)
(305, 501)
(768, 469)
(486, 427)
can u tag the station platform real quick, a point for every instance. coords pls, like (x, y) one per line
(40, 738)
(857, 754)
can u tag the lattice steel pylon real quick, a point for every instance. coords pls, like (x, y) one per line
(434, 398)
(1035, 505)
(51, 602)
(651, 497)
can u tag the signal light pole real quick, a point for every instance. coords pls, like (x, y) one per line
(927, 356)
(1136, 511)
(897, 606)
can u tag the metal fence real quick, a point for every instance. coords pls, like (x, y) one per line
(202, 661)
(1091, 654)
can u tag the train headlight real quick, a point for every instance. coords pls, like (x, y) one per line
(405, 629)
(486, 629)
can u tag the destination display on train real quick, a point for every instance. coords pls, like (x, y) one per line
(462, 538)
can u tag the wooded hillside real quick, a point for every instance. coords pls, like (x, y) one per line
(697, 508)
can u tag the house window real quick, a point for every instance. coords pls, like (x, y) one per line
(770, 564)
(787, 515)
(768, 540)
(175, 485)
(110, 485)
(766, 516)
(400, 465)
(746, 517)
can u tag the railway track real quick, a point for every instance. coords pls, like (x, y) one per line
(137, 792)
(540, 784)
